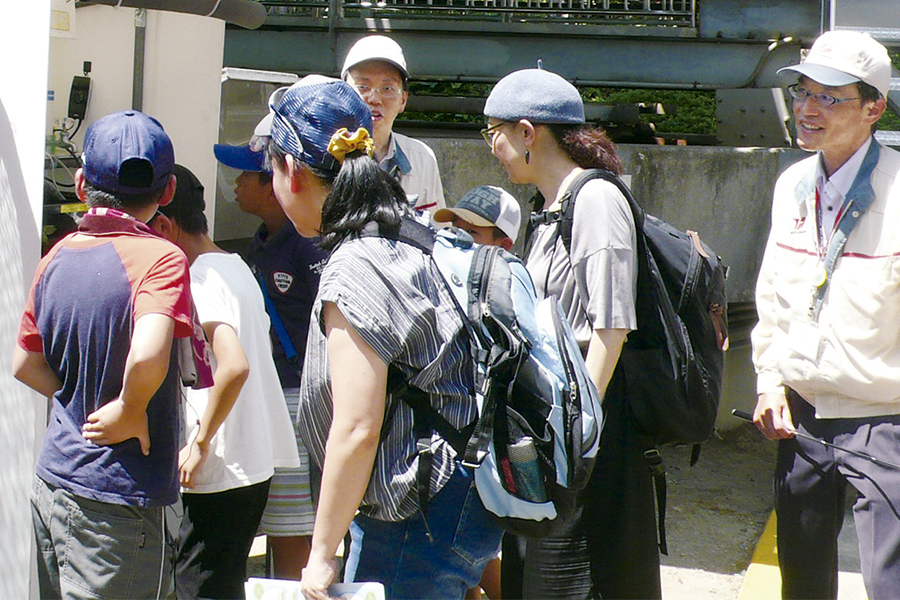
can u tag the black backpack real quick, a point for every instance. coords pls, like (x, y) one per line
(673, 363)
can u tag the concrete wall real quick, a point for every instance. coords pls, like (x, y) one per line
(723, 193)
(24, 34)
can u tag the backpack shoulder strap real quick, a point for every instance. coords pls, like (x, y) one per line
(409, 232)
(567, 204)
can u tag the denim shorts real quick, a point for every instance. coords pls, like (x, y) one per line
(410, 565)
(91, 549)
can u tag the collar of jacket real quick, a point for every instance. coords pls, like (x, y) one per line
(860, 193)
(398, 164)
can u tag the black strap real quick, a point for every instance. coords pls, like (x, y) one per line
(658, 472)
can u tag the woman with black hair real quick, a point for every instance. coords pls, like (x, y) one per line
(381, 303)
(536, 129)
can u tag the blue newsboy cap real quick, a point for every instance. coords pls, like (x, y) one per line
(308, 116)
(537, 95)
(127, 152)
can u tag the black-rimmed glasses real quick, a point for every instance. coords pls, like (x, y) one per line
(488, 133)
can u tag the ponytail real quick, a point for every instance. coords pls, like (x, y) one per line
(361, 193)
(588, 146)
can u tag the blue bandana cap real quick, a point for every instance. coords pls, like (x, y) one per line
(306, 118)
(536, 95)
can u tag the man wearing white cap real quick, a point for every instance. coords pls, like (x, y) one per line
(827, 346)
(376, 68)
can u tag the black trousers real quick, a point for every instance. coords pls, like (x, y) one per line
(810, 490)
(609, 548)
(214, 541)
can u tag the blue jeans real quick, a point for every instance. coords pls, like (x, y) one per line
(400, 555)
(91, 549)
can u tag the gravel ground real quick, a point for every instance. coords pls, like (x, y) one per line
(717, 510)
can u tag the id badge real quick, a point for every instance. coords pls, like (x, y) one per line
(804, 338)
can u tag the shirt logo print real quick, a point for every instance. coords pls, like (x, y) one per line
(283, 281)
(318, 267)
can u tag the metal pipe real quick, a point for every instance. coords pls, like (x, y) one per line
(137, 77)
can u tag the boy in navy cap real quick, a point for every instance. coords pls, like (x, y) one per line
(97, 336)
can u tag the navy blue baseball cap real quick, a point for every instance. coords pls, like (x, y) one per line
(306, 117)
(127, 152)
(242, 158)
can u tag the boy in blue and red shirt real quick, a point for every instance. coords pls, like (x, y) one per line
(97, 336)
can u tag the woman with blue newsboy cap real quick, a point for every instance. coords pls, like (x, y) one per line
(380, 304)
(536, 129)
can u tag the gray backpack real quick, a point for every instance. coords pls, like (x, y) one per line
(534, 442)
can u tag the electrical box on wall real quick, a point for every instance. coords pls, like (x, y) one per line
(78, 97)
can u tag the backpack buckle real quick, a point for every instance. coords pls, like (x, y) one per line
(655, 462)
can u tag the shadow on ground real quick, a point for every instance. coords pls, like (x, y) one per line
(718, 508)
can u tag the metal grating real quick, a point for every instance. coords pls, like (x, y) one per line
(886, 35)
(673, 13)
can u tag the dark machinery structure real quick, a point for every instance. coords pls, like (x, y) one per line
(731, 46)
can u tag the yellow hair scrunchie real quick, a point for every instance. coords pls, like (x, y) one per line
(343, 143)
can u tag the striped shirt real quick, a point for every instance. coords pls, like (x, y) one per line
(392, 294)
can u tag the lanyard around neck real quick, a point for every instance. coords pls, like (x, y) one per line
(858, 199)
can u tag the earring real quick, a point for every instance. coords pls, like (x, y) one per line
(527, 157)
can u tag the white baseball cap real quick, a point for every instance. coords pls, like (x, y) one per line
(375, 47)
(843, 57)
(486, 206)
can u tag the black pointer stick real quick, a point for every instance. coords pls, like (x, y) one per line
(740, 414)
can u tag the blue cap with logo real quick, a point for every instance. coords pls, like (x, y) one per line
(242, 158)
(306, 118)
(127, 152)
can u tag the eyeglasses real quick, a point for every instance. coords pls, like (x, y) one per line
(258, 142)
(294, 145)
(802, 94)
(386, 91)
(488, 133)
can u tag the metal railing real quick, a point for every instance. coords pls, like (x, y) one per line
(671, 13)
